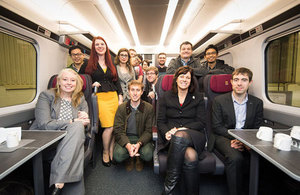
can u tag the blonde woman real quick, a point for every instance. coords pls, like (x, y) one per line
(64, 108)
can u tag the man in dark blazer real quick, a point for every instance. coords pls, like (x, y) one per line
(235, 110)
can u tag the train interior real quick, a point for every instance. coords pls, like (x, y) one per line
(263, 36)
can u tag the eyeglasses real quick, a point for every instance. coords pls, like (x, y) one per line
(150, 73)
(76, 54)
(211, 53)
(123, 55)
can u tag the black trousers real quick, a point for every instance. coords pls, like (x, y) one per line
(236, 164)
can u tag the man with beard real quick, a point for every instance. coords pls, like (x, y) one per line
(162, 68)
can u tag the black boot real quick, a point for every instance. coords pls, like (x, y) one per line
(56, 191)
(191, 177)
(175, 163)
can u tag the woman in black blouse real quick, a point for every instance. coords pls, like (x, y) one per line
(105, 78)
(180, 122)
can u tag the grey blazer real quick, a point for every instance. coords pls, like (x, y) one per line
(47, 112)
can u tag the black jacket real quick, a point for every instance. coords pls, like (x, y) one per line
(106, 80)
(148, 88)
(170, 114)
(220, 68)
(223, 114)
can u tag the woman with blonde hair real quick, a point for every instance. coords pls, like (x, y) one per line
(64, 108)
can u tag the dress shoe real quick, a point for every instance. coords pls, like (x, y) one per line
(129, 164)
(139, 164)
(56, 191)
(106, 164)
(113, 162)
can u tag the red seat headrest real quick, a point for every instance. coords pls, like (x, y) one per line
(166, 83)
(221, 83)
(82, 77)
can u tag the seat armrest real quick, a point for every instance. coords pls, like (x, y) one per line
(95, 115)
(155, 159)
(154, 133)
(220, 166)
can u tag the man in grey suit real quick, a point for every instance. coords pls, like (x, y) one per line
(235, 110)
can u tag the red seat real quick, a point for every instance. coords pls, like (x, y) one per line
(220, 83)
(214, 85)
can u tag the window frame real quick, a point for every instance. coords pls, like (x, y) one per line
(35, 46)
(268, 41)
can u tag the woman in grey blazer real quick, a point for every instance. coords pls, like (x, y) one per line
(64, 108)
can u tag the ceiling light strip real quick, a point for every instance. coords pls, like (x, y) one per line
(128, 14)
(168, 19)
(190, 12)
(111, 19)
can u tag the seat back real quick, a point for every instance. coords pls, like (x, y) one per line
(214, 85)
(207, 165)
(164, 83)
(93, 115)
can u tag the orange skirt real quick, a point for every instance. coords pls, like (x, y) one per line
(108, 103)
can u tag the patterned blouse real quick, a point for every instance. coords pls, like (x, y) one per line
(124, 79)
(65, 112)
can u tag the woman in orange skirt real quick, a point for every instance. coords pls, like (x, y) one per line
(105, 78)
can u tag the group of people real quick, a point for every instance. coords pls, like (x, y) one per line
(127, 117)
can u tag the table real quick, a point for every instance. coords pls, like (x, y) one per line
(287, 161)
(42, 140)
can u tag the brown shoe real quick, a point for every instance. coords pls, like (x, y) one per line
(129, 164)
(139, 164)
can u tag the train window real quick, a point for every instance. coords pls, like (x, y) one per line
(18, 70)
(283, 70)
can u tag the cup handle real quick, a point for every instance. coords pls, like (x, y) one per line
(258, 134)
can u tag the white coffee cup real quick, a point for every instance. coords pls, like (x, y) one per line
(12, 141)
(282, 141)
(295, 132)
(265, 133)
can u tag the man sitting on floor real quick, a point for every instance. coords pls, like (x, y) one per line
(133, 129)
